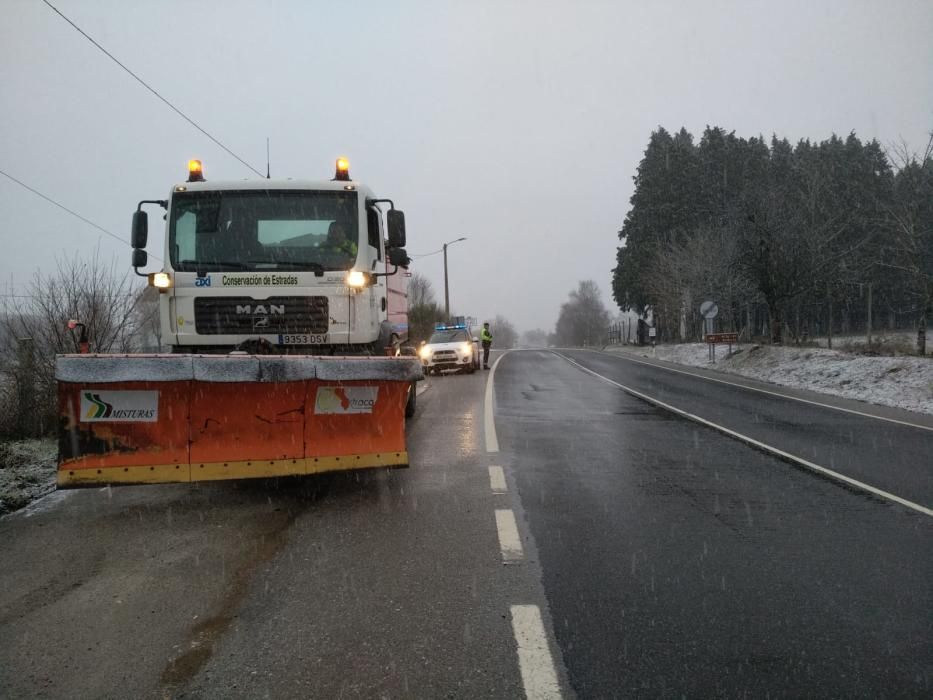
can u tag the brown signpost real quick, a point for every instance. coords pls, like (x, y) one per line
(722, 338)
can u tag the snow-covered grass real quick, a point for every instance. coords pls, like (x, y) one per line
(27, 472)
(901, 382)
(882, 343)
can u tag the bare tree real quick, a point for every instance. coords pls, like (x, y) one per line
(583, 318)
(701, 266)
(910, 246)
(423, 311)
(34, 329)
(420, 290)
(503, 332)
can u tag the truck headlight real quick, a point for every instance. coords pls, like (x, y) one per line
(425, 353)
(357, 279)
(466, 348)
(160, 280)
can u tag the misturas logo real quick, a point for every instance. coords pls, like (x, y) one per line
(100, 408)
(119, 406)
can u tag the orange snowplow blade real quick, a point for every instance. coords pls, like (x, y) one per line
(139, 419)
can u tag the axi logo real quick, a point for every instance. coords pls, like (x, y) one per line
(202, 281)
(99, 408)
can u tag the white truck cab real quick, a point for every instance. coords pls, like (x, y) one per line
(290, 266)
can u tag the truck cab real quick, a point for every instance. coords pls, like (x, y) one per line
(286, 266)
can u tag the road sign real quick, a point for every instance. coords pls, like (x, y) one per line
(722, 338)
(709, 309)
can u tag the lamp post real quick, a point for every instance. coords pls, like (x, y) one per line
(446, 288)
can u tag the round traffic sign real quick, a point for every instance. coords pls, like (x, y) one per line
(708, 309)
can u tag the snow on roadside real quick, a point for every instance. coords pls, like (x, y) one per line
(27, 472)
(901, 382)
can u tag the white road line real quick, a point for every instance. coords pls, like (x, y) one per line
(489, 423)
(497, 480)
(534, 657)
(509, 541)
(421, 387)
(760, 445)
(770, 393)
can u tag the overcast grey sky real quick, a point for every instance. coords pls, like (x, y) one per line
(516, 124)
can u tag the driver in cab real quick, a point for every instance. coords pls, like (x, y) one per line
(338, 242)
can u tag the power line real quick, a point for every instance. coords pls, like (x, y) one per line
(424, 255)
(150, 88)
(63, 207)
(73, 213)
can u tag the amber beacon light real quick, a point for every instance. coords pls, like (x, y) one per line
(343, 170)
(195, 171)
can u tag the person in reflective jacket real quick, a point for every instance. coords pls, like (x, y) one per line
(338, 242)
(486, 339)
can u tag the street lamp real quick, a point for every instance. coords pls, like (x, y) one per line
(446, 289)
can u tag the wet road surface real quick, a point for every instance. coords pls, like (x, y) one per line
(608, 548)
(680, 562)
(368, 584)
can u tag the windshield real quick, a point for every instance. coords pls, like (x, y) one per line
(263, 230)
(449, 336)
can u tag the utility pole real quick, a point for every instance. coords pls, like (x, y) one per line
(446, 285)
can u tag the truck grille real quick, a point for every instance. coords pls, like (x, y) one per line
(248, 316)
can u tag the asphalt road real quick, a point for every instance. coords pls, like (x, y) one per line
(679, 562)
(368, 584)
(661, 558)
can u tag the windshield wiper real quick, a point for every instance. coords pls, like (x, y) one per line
(315, 267)
(200, 264)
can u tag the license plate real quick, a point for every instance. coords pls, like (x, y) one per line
(302, 339)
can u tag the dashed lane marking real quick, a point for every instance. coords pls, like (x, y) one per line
(509, 541)
(539, 676)
(861, 486)
(497, 480)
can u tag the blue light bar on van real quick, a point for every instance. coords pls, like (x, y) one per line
(446, 327)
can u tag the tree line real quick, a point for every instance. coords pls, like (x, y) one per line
(789, 240)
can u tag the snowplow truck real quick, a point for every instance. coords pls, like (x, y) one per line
(283, 305)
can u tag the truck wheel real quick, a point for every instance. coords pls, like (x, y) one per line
(412, 401)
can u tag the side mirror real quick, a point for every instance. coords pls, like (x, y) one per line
(396, 221)
(475, 339)
(399, 258)
(140, 229)
(140, 257)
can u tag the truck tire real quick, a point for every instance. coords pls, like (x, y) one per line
(412, 401)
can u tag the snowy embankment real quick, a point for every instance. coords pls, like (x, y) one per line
(27, 472)
(901, 382)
